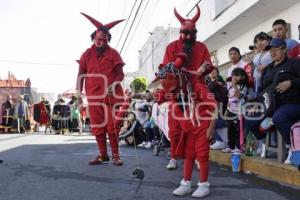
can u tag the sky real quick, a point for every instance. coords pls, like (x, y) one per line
(41, 39)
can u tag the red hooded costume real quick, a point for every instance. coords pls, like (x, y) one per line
(191, 136)
(101, 68)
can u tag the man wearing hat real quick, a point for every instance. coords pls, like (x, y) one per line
(284, 74)
(101, 69)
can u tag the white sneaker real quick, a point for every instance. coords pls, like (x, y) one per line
(148, 145)
(263, 151)
(288, 159)
(172, 164)
(184, 188)
(143, 144)
(227, 150)
(218, 145)
(202, 190)
(236, 150)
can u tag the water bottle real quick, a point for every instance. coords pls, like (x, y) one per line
(250, 144)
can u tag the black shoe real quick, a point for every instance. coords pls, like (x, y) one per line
(99, 160)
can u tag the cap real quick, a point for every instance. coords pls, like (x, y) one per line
(276, 42)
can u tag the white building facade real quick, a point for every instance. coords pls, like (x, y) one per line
(152, 52)
(222, 25)
(235, 23)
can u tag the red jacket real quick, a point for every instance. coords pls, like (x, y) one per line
(99, 73)
(199, 55)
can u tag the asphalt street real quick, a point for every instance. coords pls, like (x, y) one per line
(55, 167)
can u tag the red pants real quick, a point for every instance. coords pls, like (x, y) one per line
(102, 123)
(101, 116)
(195, 145)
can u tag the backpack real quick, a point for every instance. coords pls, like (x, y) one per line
(295, 144)
(221, 94)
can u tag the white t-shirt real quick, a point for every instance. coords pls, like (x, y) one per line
(240, 64)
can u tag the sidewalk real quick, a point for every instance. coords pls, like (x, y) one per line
(265, 167)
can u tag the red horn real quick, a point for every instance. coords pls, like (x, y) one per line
(112, 24)
(196, 17)
(94, 22)
(180, 19)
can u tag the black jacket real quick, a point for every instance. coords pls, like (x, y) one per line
(288, 69)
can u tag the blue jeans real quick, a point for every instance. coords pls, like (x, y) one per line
(284, 118)
(220, 123)
(252, 124)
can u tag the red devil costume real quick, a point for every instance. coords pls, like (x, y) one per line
(190, 105)
(101, 68)
(42, 112)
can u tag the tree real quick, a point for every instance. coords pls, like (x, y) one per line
(138, 85)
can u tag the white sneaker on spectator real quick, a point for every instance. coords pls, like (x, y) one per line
(148, 145)
(236, 150)
(263, 151)
(202, 190)
(218, 145)
(184, 188)
(288, 159)
(172, 164)
(227, 150)
(143, 144)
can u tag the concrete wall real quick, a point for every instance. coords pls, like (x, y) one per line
(291, 15)
(209, 24)
(151, 54)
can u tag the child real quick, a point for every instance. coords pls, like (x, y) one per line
(237, 91)
(131, 131)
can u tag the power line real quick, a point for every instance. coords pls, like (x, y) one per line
(154, 8)
(126, 23)
(158, 43)
(131, 26)
(137, 26)
(193, 8)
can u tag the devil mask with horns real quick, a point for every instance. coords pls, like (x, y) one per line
(101, 36)
(188, 29)
(168, 75)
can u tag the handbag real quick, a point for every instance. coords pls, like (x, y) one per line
(267, 98)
